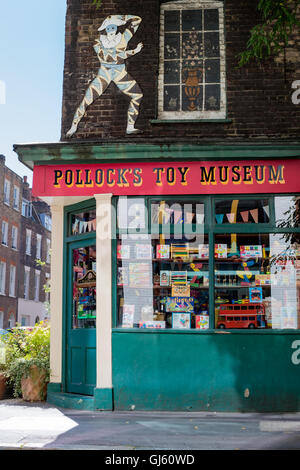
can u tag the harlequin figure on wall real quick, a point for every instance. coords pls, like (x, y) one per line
(111, 49)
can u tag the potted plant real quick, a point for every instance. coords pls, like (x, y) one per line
(28, 361)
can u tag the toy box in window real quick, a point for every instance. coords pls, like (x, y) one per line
(179, 304)
(181, 321)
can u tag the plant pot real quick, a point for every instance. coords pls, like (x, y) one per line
(34, 387)
(3, 386)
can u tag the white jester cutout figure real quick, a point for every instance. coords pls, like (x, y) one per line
(111, 49)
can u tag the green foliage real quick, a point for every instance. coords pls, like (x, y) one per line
(25, 348)
(97, 3)
(279, 18)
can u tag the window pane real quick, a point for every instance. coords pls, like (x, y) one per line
(132, 213)
(172, 46)
(162, 282)
(212, 97)
(83, 222)
(172, 21)
(211, 20)
(192, 20)
(212, 71)
(211, 45)
(172, 98)
(180, 212)
(241, 211)
(172, 72)
(257, 275)
(287, 211)
(84, 287)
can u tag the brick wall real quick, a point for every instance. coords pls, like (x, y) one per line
(258, 96)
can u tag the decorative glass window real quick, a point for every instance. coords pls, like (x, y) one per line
(192, 61)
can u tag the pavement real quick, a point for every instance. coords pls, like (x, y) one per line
(41, 426)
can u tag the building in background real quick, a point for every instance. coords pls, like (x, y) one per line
(25, 238)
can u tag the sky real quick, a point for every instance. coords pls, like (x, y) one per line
(31, 75)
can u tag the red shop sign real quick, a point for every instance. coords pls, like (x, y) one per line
(154, 178)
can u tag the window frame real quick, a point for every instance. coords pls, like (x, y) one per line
(205, 115)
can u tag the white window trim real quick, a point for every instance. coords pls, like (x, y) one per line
(16, 201)
(48, 255)
(14, 229)
(12, 281)
(28, 245)
(1, 319)
(37, 283)
(2, 284)
(38, 253)
(193, 115)
(4, 234)
(26, 286)
(6, 192)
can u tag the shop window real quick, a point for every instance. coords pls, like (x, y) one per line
(287, 211)
(84, 287)
(192, 61)
(162, 282)
(162, 275)
(83, 222)
(241, 211)
(257, 279)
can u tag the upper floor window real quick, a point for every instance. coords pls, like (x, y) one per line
(14, 237)
(28, 242)
(4, 239)
(38, 246)
(6, 191)
(192, 60)
(16, 197)
(26, 208)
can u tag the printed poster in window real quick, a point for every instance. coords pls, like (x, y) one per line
(128, 316)
(181, 321)
(140, 275)
(143, 251)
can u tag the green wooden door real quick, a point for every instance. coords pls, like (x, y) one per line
(81, 317)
